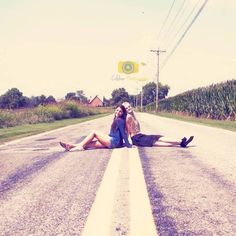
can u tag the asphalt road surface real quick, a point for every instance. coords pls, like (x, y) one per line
(192, 191)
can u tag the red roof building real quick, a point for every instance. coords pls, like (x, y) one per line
(95, 102)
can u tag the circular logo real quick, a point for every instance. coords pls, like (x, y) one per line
(128, 67)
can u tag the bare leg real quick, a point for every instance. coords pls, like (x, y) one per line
(103, 139)
(95, 144)
(165, 142)
(162, 144)
(67, 146)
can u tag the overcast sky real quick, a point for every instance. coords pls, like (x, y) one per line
(53, 47)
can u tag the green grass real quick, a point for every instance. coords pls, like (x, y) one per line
(223, 124)
(12, 133)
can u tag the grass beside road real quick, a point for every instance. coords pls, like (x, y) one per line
(223, 124)
(12, 133)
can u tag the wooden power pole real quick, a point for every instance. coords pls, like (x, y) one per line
(158, 51)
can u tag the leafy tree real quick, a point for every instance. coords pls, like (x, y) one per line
(41, 100)
(133, 100)
(78, 96)
(25, 101)
(163, 91)
(34, 101)
(70, 96)
(118, 96)
(106, 102)
(50, 99)
(12, 99)
(81, 96)
(149, 92)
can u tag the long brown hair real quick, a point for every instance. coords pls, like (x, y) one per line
(123, 116)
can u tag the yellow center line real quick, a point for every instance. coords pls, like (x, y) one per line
(99, 219)
(141, 219)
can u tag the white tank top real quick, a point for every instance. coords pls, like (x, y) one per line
(133, 126)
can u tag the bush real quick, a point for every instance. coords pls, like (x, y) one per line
(6, 118)
(47, 113)
(55, 112)
(71, 109)
(43, 114)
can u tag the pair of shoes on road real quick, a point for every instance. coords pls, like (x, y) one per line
(185, 141)
(66, 146)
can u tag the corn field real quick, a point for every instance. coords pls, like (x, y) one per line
(217, 101)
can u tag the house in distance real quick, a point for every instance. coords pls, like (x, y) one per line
(95, 102)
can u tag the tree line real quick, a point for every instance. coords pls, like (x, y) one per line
(14, 98)
(148, 95)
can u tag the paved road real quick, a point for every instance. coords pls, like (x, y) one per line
(46, 191)
(192, 190)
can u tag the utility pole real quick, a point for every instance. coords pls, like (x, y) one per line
(141, 109)
(158, 51)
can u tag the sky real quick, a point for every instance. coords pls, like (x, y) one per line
(53, 47)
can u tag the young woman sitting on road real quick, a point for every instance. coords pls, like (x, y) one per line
(97, 139)
(144, 140)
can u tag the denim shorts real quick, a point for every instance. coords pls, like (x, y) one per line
(115, 143)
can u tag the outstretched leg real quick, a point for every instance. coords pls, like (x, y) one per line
(95, 144)
(169, 141)
(105, 140)
(67, 146)
(165, 142)
(94, 140)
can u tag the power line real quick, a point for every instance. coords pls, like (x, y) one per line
(185, 32)
(165, 20)
(181, 27)
(174, 19)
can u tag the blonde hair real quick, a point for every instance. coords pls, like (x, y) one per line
(134, 126)
(126, 104)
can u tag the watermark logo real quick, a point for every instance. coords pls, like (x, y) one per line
(128, 67)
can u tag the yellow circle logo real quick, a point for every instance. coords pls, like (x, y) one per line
(128, 67)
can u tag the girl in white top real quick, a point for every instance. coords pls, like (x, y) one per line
(139, 139)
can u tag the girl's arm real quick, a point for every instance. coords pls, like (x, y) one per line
(128, 123)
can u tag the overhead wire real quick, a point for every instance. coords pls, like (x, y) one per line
(183, 35)
(174, 20)
(182, 25)
(176, 24)
(164, 23)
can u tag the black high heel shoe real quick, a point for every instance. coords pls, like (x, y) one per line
(185, 142)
